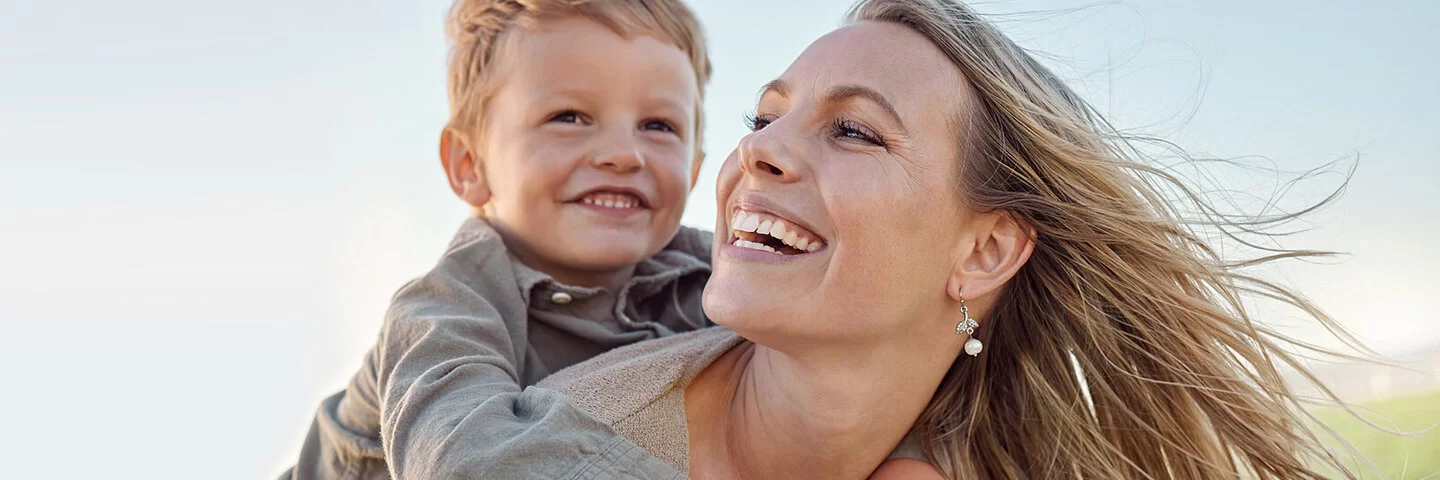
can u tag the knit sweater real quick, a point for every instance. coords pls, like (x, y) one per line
(639, 390)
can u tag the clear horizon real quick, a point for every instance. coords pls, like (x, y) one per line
(208, 207)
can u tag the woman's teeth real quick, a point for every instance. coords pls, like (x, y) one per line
(756, 246)
(750, 226)
(611, 200)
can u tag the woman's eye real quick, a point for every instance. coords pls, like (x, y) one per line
(568, 116)
(852, 130)
(756, 123)
(659, 126)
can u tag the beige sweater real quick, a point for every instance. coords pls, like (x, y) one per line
(639, 390)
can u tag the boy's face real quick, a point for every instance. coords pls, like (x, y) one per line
(587, 151)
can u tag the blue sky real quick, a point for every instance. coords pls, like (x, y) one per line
(206, 206)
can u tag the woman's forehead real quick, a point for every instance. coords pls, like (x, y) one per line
(888, 58)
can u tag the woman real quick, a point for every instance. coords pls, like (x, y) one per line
(925, 174)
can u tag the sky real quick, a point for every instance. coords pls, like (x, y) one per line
(205, 207)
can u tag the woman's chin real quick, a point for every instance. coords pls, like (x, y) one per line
(762, 313)
(756, 311)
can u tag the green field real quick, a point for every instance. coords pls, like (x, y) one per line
(1389, 452)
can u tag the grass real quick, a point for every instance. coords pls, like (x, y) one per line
(1395, 457)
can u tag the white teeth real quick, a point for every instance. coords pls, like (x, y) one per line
(611, 200)
(754, 246)
(777, 230)
(751, 222)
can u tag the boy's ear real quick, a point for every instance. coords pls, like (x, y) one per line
(463, 168)
(993, 252)
(695, 169)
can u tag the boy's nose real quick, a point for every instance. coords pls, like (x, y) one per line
(620, 157)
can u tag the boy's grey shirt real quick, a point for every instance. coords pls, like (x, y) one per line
(442, 387)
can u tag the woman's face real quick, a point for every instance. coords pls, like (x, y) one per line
(855, 156)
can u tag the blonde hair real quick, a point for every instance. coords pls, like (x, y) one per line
(1176, 379)
(479, 30)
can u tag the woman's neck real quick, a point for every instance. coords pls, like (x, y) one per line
(759, 413)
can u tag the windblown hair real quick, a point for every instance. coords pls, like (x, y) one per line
(479, 31)
(1123, 348)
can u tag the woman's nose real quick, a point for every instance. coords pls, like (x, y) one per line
(764, 154)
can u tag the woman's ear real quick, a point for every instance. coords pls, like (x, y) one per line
(464, 170)
(999, 245)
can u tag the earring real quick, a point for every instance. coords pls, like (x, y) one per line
(968, 326)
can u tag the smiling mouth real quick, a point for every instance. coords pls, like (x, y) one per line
(769, 233)
(612, 199)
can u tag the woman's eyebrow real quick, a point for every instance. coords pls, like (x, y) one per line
(845, 92)
(778, 86)
(839, 94)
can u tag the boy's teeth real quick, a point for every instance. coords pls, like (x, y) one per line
(611, 200)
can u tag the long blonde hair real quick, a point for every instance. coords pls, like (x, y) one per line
(1123, 348)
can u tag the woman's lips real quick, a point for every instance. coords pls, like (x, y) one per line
(770, 233)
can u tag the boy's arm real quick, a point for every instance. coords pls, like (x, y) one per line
(344, 437)
(451, 405)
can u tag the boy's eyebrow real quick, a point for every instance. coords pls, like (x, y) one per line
(846, 92)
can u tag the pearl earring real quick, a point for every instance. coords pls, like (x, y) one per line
(968, 326)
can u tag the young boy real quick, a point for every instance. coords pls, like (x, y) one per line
(575, 137)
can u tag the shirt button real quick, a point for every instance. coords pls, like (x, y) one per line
(561, 298)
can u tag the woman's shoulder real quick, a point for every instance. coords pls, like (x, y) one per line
(616, 384)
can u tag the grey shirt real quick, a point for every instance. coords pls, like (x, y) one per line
(440, 395)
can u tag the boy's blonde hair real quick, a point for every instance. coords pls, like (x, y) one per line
(477, 29)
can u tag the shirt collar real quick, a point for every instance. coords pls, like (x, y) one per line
(688, 253)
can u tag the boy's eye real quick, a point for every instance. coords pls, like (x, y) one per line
(659, 126)
(568, 116)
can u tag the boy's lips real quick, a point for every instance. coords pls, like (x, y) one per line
(613, 197)
(613, 201)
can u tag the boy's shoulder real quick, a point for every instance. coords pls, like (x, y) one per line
(475, 266)
(686, 256)
(694, 242)
(478, 237)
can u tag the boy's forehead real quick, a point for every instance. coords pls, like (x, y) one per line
(575, 54)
